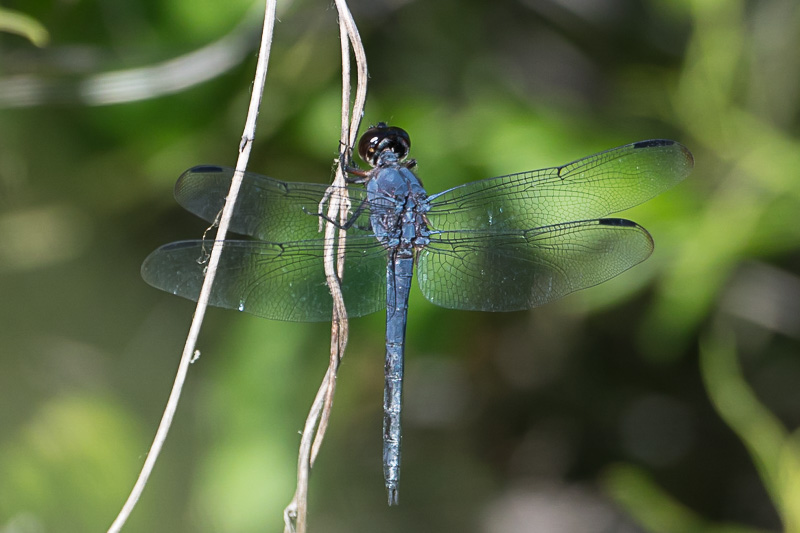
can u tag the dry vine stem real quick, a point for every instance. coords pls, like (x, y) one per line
(202, 302)
(338, 208)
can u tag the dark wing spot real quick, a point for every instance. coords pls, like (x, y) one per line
(616, 222)
(204, 169)
(652, 143)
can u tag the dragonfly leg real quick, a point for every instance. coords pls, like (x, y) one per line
(349, 223)
(362, 175)
(346, 163)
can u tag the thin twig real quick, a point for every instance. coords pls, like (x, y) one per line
(294, 515)
(346, 18)
(339, 326)
(202, 302)
(338, 205)
(338, 208)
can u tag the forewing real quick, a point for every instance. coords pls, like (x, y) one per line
(487, 271)
(267, 209)
(589, 188)
(276, 281)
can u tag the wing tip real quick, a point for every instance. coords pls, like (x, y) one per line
(625, 223)
(661, 143)
(197, 169)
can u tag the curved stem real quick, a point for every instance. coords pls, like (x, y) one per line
(202, 302)
(338, 207)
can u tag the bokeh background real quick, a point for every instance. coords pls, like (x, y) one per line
(666, 400)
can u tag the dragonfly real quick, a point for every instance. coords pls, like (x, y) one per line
(506, 243)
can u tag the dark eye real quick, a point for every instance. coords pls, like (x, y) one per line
(380, 138)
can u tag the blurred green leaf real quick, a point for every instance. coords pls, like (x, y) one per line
(67, 454)
(24, 25)
(775, 452)
(656, 510)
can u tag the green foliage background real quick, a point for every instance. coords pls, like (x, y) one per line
(666, 400)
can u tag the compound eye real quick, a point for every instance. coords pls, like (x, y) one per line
(380, 138)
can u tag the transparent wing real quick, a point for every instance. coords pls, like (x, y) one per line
(488, 271)
(592, 187)
(276, 281)
(266, 208)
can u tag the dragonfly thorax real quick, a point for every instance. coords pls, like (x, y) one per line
(399, 203)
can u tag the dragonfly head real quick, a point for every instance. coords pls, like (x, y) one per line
(380, 138)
